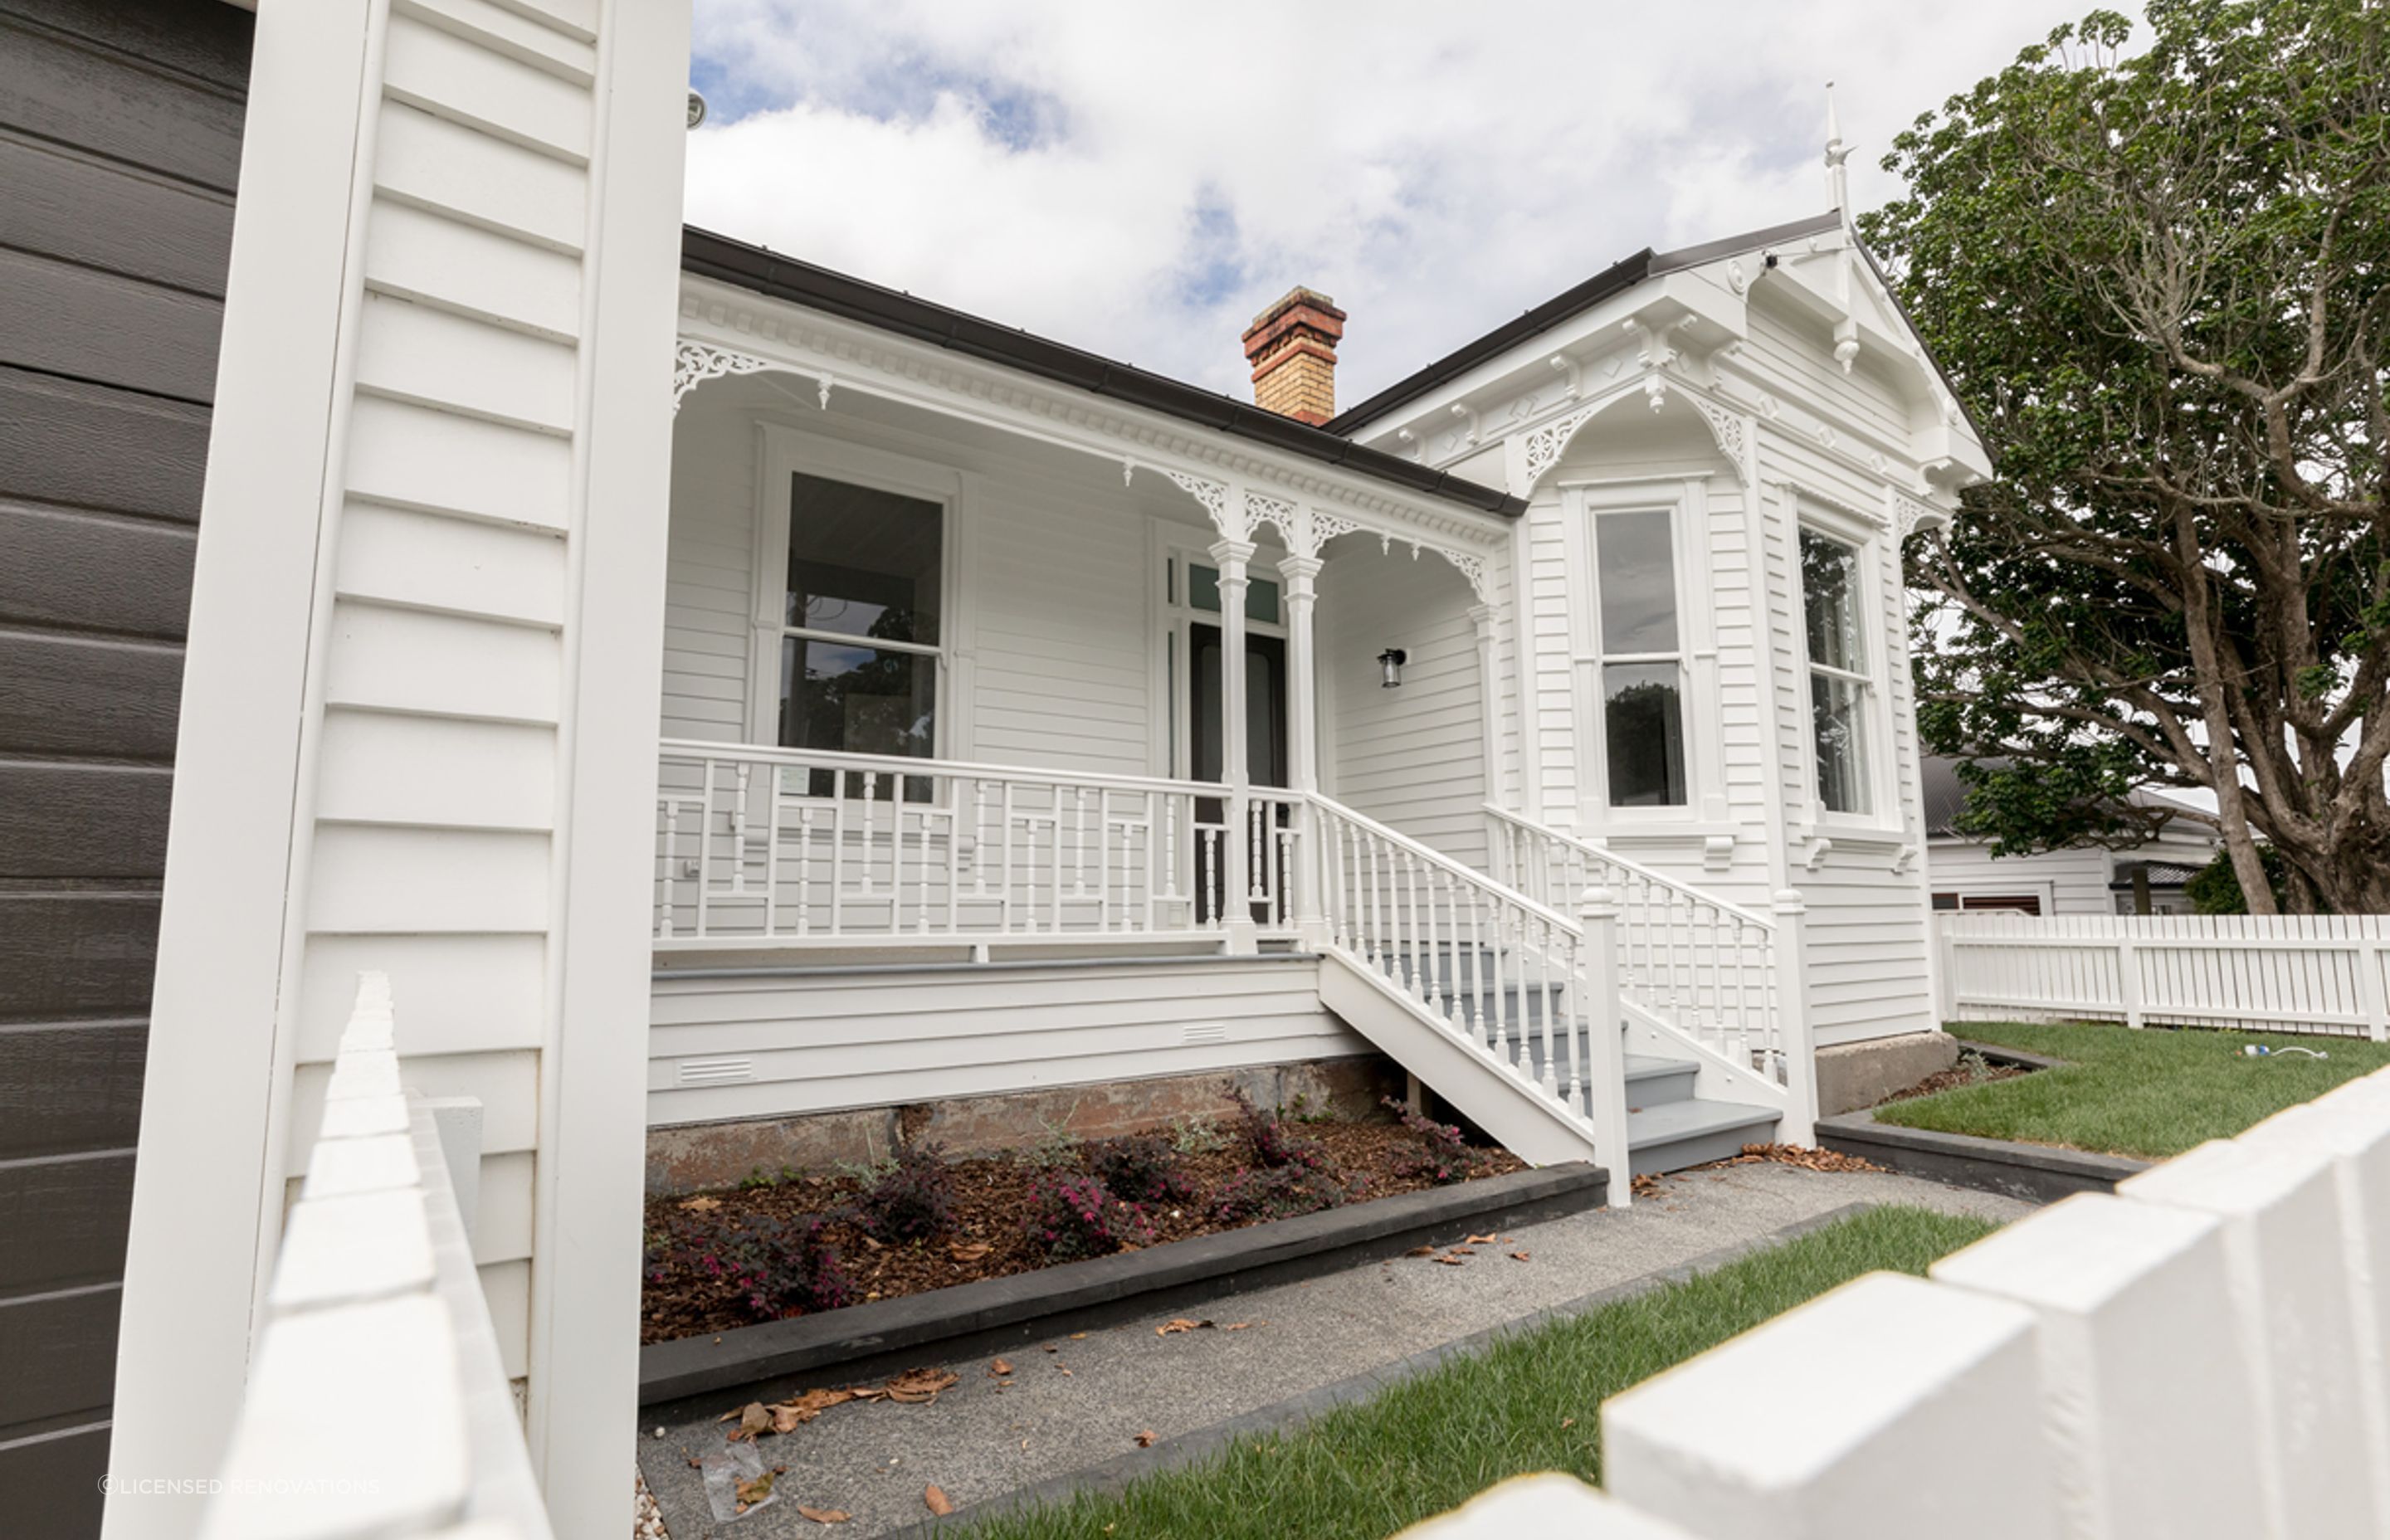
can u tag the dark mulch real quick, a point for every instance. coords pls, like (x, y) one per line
(1969, 1070)
(992, 1214)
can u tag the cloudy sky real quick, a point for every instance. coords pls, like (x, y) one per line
(1141, 178)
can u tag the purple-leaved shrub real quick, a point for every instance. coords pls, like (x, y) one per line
(913, 1199)
(1438, 1153)
(1072, 1216)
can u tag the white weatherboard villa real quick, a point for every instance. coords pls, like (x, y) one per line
(726, 698)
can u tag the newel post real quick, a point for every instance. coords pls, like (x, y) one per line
(1605, 1080)
(1800, 1126)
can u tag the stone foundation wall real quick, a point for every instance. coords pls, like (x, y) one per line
(692, 1157)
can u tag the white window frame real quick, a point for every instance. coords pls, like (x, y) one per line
(784, 452)
(1881, 818)
(1681, 498)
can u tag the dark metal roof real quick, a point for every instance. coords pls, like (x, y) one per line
(1615, 279)
(2163, 873)
(815, 288)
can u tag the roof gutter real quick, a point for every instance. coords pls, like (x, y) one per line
(707, 255)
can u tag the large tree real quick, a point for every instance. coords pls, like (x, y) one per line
(2156, 268)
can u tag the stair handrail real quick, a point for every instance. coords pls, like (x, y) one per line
(1632, 867)
(1459, 869)
(1725, 978)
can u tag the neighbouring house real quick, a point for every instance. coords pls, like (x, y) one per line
(2146, 879)
(742, 707)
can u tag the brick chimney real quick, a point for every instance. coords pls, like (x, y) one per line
(1293, 349)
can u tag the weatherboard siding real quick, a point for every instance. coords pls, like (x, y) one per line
(882, 1036)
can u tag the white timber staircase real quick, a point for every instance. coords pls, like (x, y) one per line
(1594, 1007)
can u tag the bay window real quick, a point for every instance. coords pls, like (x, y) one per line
(1839, 681)
(1642, 658)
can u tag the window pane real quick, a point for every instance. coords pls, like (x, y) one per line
(1830, 575)
(1204, 593)
(863, 562)
(1636, 557)
(856, 700)
(1642, 724)
(1840, 733)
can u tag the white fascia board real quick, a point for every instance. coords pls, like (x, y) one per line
(855, 357)
(1520, 387)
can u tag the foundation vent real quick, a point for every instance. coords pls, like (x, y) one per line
(1204, 1032)
(716, 1071)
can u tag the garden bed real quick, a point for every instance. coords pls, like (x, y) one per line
(700, 1280)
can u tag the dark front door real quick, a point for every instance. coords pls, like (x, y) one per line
(120, 149)
(1265, 738)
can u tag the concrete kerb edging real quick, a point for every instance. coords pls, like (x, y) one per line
(2037, 1172)
(1114, 1474)
(1992, 1053)
(973, 1318)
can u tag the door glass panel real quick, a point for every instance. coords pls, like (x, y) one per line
(1643, 715)
(1839, 728)
(1638, 582)
(863, 562)
(1204, 593)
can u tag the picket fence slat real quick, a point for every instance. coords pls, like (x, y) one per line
(2297, 974)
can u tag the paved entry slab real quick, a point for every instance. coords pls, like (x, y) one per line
(1074, 1413)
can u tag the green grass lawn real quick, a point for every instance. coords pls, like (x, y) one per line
(2152, 1093)
(1529, 1403)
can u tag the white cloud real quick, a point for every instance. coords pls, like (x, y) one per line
(1139, 179)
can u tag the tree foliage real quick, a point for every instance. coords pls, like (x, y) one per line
(2160, 279)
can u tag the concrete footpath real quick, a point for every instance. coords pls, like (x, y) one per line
(1074, 1415)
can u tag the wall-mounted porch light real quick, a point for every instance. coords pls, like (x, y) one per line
(1390, 667)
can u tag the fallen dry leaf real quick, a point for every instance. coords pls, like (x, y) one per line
(1145, 1440)
(1517, 1257)
(1420, 1251)
(873, 1244)
(1478, 1239)
(1568, 1422)
(1051, 1348)
(961, 1253)
(1236, 1326)
(915, 1386)
(825, 1515)
(1181, 1323)
(753, 1420)
(999, 1367)
(940, 1503)
(702, 1205)
(1065, 1368)
(754, 1491)
(1078, 1336)
(1454, 1261)
(789, 1416)
(1463, 1252)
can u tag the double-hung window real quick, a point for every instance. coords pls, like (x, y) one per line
(859, 620)
(1642, 658)
(1840, 684)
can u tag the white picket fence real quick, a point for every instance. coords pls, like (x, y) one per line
(2199, 1356)
(2305, 973)
(378, 1405)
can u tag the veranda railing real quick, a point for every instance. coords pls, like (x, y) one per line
(791, 847)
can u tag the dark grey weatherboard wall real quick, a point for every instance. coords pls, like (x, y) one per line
(120, 148)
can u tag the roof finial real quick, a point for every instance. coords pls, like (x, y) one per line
(1838, 182)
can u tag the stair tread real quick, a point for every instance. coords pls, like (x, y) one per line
(1690, 1119)
(1649, 1067)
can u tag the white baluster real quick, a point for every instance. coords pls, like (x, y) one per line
(739, 834)
(804, 868)
(1475, 1013)
(1208, 854)
(664, 874)
(1079, 837)
(704, 846)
